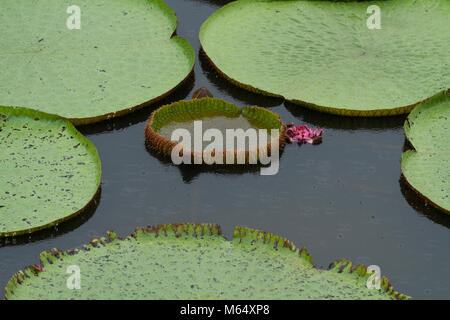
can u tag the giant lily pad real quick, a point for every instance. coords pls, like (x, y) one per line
(49, 172)
(121, 57)
(188, 261)
(321, 54)
(427, 168)
(214, 114)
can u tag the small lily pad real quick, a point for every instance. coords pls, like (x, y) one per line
(427, 168)
(322, 55)
(190, 261)
(214, 114)
(121, 58)
(49, 172)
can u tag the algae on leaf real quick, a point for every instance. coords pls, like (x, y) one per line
(193, 261)
(321, 54)
(49, 172)
(427, 168)
(122, 56)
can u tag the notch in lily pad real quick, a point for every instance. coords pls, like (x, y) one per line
(426, 168)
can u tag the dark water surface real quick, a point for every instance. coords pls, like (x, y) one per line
(341, 199)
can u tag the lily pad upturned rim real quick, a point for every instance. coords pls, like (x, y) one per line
(196, 230)
(70, 127)
(164, 146)
(407, 127)
(336, 111)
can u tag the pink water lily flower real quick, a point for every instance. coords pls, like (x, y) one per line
(303, 134)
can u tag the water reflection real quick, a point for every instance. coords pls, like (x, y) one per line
(190, 172)
(56, 231)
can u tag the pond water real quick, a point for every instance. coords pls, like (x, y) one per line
(343, 198)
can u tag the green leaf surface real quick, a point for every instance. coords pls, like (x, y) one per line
(122, 57)
(427, 168)
(321, 54)
(49, 172)
(188, 261)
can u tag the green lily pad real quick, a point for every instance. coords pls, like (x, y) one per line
(427, 168)
(189, 261)
(49, 172)
(321, 54)
(215, 114)
(122, 56)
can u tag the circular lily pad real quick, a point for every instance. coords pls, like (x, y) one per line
(427, 168)
(321, 54)
(214, 114)
(122, 56)
(188, 261)
(49, 172)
